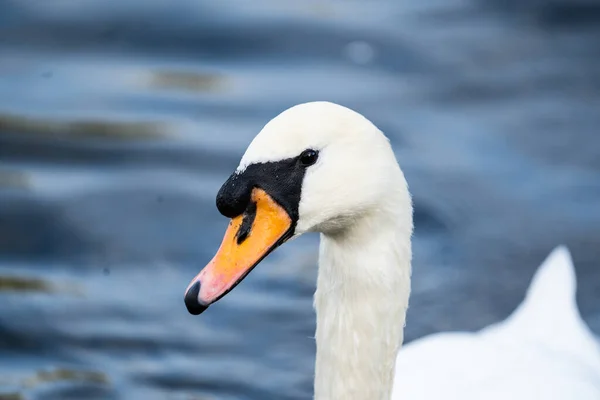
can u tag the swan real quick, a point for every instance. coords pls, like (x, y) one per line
(321, 167)
(543, 350)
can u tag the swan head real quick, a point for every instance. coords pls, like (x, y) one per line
(315, 167)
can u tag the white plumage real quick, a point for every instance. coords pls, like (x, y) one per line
(543, 350)
(357, 198)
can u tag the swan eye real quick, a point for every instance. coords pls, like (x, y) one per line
(308, 157)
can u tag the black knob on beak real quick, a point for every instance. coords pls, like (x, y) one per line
(234, 196)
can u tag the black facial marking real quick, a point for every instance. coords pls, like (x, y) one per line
(282, 180)
(247, 222)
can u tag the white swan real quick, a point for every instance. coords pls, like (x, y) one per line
(322, 167)
(544, 350)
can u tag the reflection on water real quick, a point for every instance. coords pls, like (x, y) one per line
(120, 120)
(28, 284)
(13, 180)
(80, 129)
(65, 375)
(72, 382)
(13, 283)
(187, 81)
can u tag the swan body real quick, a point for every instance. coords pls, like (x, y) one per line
(544, 350)
(321, 167)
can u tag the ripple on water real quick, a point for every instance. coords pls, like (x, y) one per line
(82, 129)
(120, 120)
(188, 81)
(62, 383)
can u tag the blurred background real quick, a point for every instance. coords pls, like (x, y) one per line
(119, 121)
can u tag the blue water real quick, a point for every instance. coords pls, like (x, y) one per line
(120, 120)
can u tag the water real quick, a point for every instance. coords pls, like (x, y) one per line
(120, 120)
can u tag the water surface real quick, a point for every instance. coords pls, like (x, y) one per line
(119, 121)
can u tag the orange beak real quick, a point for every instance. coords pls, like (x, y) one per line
(249, 238)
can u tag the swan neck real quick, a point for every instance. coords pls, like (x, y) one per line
(361, 299)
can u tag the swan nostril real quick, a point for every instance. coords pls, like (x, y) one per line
(194, 307)
(247, 221)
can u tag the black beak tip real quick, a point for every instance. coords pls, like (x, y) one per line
(191, 300)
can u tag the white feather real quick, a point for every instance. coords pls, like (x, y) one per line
(542, 351)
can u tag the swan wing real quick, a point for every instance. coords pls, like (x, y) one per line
(543, 350)
(462, 366)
